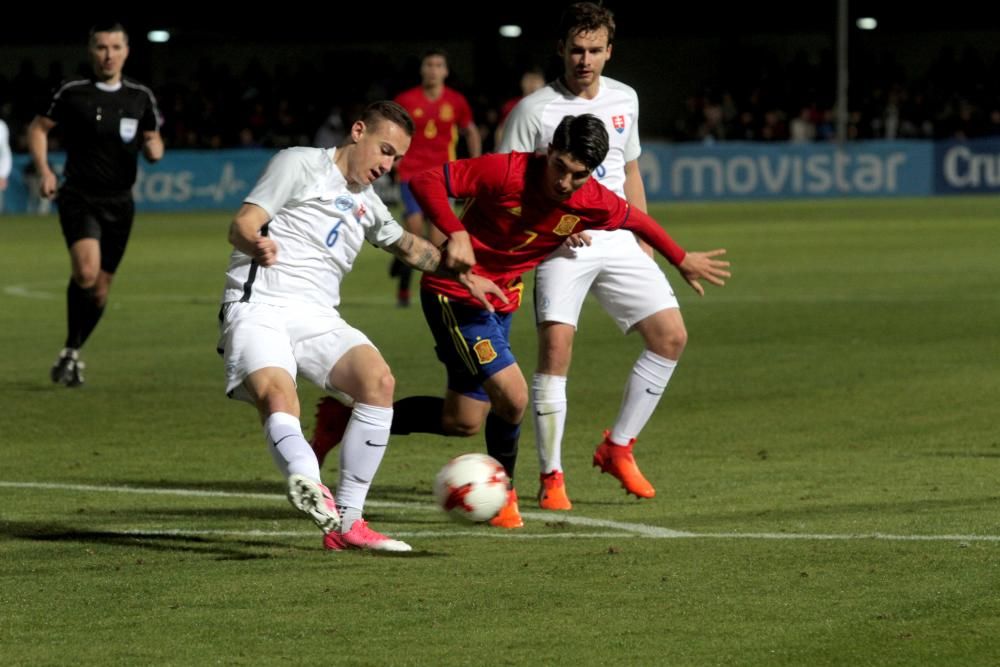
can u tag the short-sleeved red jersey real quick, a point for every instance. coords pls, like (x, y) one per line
(513, 225)
(436, 125)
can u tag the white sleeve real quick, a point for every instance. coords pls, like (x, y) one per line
(632, 147)
(280, 182)
(6, 161)
(386, 230)
(522, 130)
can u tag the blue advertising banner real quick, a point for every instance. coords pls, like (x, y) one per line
(967, 167)
(743, 170)
(205, 180)
(182, 180)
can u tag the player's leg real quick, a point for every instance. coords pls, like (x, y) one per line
(260, 369)
(82, 232)
(508, 392)
(665, 337)
(561, 285)
(474, 345)
(634, 291)
(354, 368)
(116, 217)
(457, 330)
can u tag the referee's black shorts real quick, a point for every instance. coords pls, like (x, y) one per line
(107, 218)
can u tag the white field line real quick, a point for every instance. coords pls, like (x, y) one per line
(626, 529)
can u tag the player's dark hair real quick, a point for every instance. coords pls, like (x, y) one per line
(584, 137)
(107, 26)
(586, 17)
(376, 112)
(436, 51)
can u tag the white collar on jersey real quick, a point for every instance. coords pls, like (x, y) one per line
(108, 87)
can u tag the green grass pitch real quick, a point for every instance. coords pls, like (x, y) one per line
(826, 459)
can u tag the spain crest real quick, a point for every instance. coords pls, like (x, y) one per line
(618, 122)
(484, 351)
(566, 225)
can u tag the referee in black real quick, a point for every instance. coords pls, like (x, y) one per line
(105, 121)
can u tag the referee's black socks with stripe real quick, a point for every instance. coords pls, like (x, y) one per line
(82, 314)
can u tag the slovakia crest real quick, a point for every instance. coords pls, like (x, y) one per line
(360, 213)
(618, 122)
(344, 203)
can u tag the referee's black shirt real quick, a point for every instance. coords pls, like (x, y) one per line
(102, 131)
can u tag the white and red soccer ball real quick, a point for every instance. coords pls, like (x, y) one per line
(472, 487)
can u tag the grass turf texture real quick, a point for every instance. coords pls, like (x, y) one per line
(843, 386)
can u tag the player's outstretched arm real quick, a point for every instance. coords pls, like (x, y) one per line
(421, 254)
(417, 252)
(698, 266)
(694, 266)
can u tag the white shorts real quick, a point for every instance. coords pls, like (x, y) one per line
(626, 281)
(298, 338)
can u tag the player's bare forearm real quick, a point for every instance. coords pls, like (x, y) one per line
(417, 252)
(38, 147)
(423, 255)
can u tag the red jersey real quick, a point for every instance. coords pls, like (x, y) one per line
(436, 125)
(507, 107)
(513, 225)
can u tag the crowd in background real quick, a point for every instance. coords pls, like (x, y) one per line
(763, 99)
(760, 98)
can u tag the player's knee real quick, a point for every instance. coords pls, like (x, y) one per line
(511, 409)
(86, 277)
(377, 387)
(669, 342)
(676, 341)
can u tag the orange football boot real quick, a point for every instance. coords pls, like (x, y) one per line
(618, 461)
(552, 492)
(509, 516)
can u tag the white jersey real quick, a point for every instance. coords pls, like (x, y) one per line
(319, 226)
(627, 283)
(6, 162)
(533, 121)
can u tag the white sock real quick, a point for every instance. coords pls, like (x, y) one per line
(549, 398)
(361, 452)
(289, 449)
(645, 386)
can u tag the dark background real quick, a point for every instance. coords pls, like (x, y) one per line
(681, 57)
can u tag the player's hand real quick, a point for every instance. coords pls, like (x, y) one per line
(703, 266)
(458, 254)
(480, 288)
(47, 187)
(265, 251)
(577, 240)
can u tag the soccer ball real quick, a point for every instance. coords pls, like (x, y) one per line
(471, 487)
